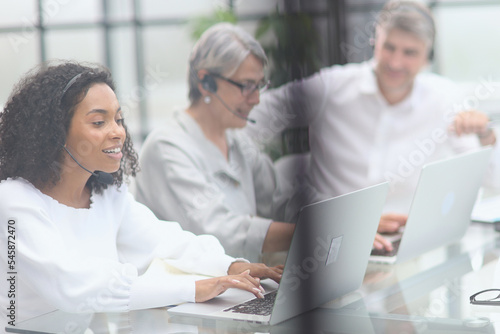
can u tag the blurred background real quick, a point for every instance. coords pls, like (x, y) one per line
(146, 43)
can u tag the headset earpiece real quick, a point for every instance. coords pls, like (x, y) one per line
(431, 54)
(208, 83)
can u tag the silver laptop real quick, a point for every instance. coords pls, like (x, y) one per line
(327, 259)
(441, 209)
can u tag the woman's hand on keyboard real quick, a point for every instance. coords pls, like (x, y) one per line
(259, 270)
(207, 289)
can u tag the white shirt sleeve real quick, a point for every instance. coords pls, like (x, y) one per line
(85, 264)
(295, 104)
(142, 235)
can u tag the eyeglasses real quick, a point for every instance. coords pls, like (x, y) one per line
(246, 88)
(486, 297)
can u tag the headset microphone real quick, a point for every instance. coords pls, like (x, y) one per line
(209, 84)
(103, 177)
(100, 176)
(232, 111)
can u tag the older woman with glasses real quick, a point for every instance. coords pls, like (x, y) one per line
(219, 181)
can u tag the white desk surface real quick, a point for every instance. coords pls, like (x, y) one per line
(429, 294)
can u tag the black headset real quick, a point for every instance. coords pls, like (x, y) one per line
(208, 83)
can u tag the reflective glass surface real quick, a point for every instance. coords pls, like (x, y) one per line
(428, 294)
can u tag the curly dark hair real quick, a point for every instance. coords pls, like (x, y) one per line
(36, 119)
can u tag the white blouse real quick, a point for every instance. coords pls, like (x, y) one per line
(97, 259)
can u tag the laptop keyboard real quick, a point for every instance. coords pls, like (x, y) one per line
(255, 306)
(384, 252)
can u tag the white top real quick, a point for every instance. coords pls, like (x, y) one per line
(357, 139)
(186, 178)
(96, 260)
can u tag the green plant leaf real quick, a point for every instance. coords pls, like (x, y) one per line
(290, 43)
(202, 23)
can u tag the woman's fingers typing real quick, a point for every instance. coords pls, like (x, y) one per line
(209, 288)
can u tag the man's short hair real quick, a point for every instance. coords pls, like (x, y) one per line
(410, 16)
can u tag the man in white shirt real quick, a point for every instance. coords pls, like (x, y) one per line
(380, 120)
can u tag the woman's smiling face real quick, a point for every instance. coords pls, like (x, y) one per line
(96, 132)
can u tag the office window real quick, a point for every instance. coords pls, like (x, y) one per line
(166, 53)
(154, 9)
(22, 14)
(120, 10)
(146, 42)
(255, 7)
(69, 12)
(123, 57)
(469, 50)
(19, 54)
(80, 45)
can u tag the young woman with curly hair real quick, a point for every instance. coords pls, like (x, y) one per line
(82, 243)
(47, 108)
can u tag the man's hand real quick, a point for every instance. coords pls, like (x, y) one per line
(381, 242)
(474, 122)
(391, 222)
